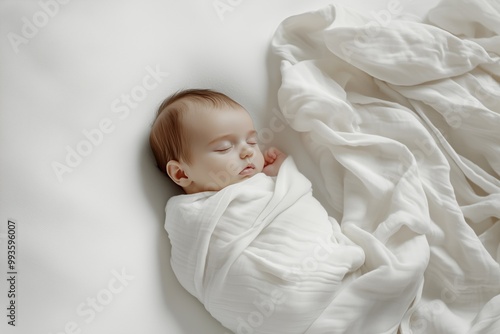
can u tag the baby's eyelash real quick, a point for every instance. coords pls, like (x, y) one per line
(223, 149)
(252, 141)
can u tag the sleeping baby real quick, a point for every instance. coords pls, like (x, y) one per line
(248, 238)
(206, 141)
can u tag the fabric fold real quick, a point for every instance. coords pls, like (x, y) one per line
(402, 120)
(400, 117)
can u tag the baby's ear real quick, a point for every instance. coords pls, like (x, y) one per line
(177, 173)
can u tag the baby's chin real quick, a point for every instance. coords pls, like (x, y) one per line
(237, 179)
(244, 177)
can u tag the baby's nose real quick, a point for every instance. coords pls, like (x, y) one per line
(246, 152)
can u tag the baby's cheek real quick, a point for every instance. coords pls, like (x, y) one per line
(260, 165)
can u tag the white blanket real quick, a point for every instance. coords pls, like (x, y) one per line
(402, 117)
(262, 255)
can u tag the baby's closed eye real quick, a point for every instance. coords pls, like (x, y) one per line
(223, 148)
(252, 140)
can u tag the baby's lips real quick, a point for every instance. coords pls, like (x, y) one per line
(248, 169)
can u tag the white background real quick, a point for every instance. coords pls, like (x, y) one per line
(107, 213)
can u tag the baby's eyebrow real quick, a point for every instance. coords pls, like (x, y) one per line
(252, 133)
(229, 136)
(226, 137)
(213, 141)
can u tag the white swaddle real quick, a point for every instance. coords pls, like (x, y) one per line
(393, 116)
(262, 255)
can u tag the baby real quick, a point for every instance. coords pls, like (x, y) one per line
(247, 238)
(205, 141)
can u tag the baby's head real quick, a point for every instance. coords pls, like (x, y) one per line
(205, 141)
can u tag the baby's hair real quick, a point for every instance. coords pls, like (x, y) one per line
(168, 138)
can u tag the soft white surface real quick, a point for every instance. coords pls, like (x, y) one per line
(106, 216)
(403, 121)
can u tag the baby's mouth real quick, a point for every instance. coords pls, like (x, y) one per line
(249, 169)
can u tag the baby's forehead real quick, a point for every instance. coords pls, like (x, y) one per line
(203, 121)
(198, 109)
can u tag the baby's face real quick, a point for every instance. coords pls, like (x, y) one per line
(223, 148)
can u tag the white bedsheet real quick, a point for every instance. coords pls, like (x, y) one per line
(403, 120)
(86, 77)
